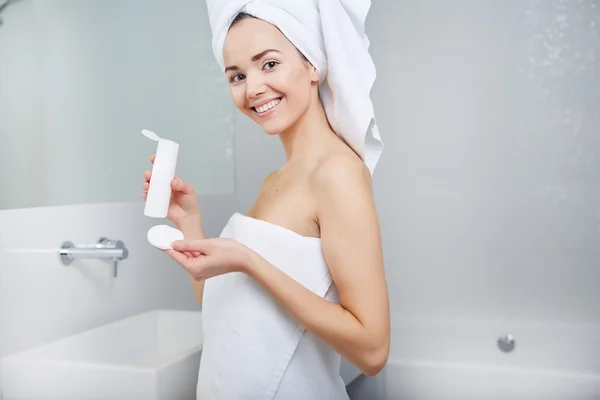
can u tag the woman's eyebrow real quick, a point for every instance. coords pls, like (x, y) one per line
(254, 58)
(263, 53)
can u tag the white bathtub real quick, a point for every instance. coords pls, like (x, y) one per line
(460, 360)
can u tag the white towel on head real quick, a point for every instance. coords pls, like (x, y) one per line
(331, 35)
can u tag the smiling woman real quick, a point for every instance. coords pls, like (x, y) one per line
(298, 282)
(270, 81)
(236, 77)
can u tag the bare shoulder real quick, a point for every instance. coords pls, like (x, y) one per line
(341, 187)
(340, 172)
(268, 179)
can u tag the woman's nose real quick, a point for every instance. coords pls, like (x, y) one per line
(255, 86)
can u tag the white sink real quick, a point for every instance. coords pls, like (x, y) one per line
(150, 356)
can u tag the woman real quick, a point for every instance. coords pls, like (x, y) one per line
(298, 280)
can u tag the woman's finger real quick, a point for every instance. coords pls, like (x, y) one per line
(181, 186)
(192, 254)
(193, 265)
(176, 185)
(196, 245)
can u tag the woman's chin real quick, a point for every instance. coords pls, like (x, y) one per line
(272, 132)
(274, 127)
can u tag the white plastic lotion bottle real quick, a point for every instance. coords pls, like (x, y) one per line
(163, 172)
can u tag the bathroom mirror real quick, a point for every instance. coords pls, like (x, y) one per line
(80, 79)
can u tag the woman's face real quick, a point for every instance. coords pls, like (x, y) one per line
(269, 80)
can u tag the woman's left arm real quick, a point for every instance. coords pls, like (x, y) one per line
(359, 327)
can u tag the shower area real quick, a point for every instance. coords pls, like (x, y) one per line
(488, 190)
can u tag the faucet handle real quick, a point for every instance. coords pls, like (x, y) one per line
(104, 248)
(114, 244)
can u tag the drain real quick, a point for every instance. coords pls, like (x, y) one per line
(506, 343)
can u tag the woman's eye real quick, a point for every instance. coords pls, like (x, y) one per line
(236, 78)
(270, 64)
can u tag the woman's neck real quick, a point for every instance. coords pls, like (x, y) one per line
(309, 136)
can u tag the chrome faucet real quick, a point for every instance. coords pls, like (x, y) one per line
(113, 250)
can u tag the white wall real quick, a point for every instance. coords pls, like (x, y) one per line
(489, 187)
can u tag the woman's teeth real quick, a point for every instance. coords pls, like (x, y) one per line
(268, 106)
